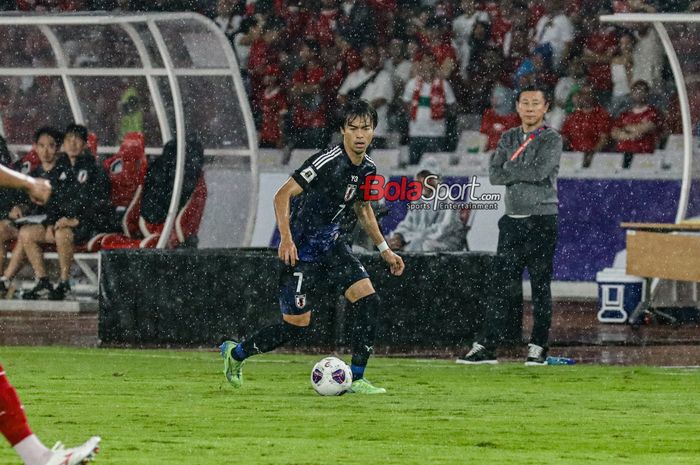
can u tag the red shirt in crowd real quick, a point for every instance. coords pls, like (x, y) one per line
(583, 128)
(53, 5)
(261, 55)
(601, 42)
(349, 61)
(384, 14)
(383, 5)
(322, 28)
(535, 11)
(251, 8)
(500, 26)
(493, 125)
(274, 105)
(646, 143)
(309, 109)
(442, 49)
(296, 21)
(491, 8)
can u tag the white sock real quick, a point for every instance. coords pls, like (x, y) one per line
(32, 451)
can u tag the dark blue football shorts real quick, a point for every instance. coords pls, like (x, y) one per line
(301, 286)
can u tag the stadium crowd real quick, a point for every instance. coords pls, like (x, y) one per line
(431, 68)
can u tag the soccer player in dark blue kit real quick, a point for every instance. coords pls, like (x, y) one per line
(321, 193)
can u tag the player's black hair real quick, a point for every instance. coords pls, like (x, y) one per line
(48, 131)
(78, 130)
(358, 108)
(536, 87)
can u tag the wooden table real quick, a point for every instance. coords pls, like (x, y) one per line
(665, 251)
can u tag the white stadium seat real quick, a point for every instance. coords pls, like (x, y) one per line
(299, 156)
(674, 143)
(671, 160)
(474, 163)
(444, 159)
(385, 159)
(646, 164)
(571, 162)
(471, 142)
(606, 164)
(270, 157)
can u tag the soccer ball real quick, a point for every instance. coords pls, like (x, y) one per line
(331, 377)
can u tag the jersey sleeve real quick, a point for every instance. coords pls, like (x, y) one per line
(315, 168)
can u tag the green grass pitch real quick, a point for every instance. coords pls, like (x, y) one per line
(173, 407)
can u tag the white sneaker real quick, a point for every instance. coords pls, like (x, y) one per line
(536, 355)
(75, 456)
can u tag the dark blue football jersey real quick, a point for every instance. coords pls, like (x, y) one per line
(331, 187)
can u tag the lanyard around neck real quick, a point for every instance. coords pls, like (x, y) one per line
(529, 139)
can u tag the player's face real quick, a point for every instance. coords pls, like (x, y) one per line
(357, 134)
(45, 147)
(532, 107)
(73, 145)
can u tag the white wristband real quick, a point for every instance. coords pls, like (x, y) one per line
(25, 178)
(383, 247)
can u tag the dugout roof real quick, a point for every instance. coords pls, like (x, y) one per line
(179, 67)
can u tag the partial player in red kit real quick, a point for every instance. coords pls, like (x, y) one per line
(13, 421)
(14, 426)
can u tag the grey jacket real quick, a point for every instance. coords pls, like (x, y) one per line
(531, 179)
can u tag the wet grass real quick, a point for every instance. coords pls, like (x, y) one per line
(171, 407)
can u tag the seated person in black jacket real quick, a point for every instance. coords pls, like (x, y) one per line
(25, 215)
(81, 211)
(158, 184)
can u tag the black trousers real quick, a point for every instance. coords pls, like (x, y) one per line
(522, 243)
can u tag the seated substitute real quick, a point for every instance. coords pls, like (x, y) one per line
(322, 192)
(72, 218)
(26, 214)
(428, 229)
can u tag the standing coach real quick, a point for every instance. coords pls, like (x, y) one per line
(527, 163)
